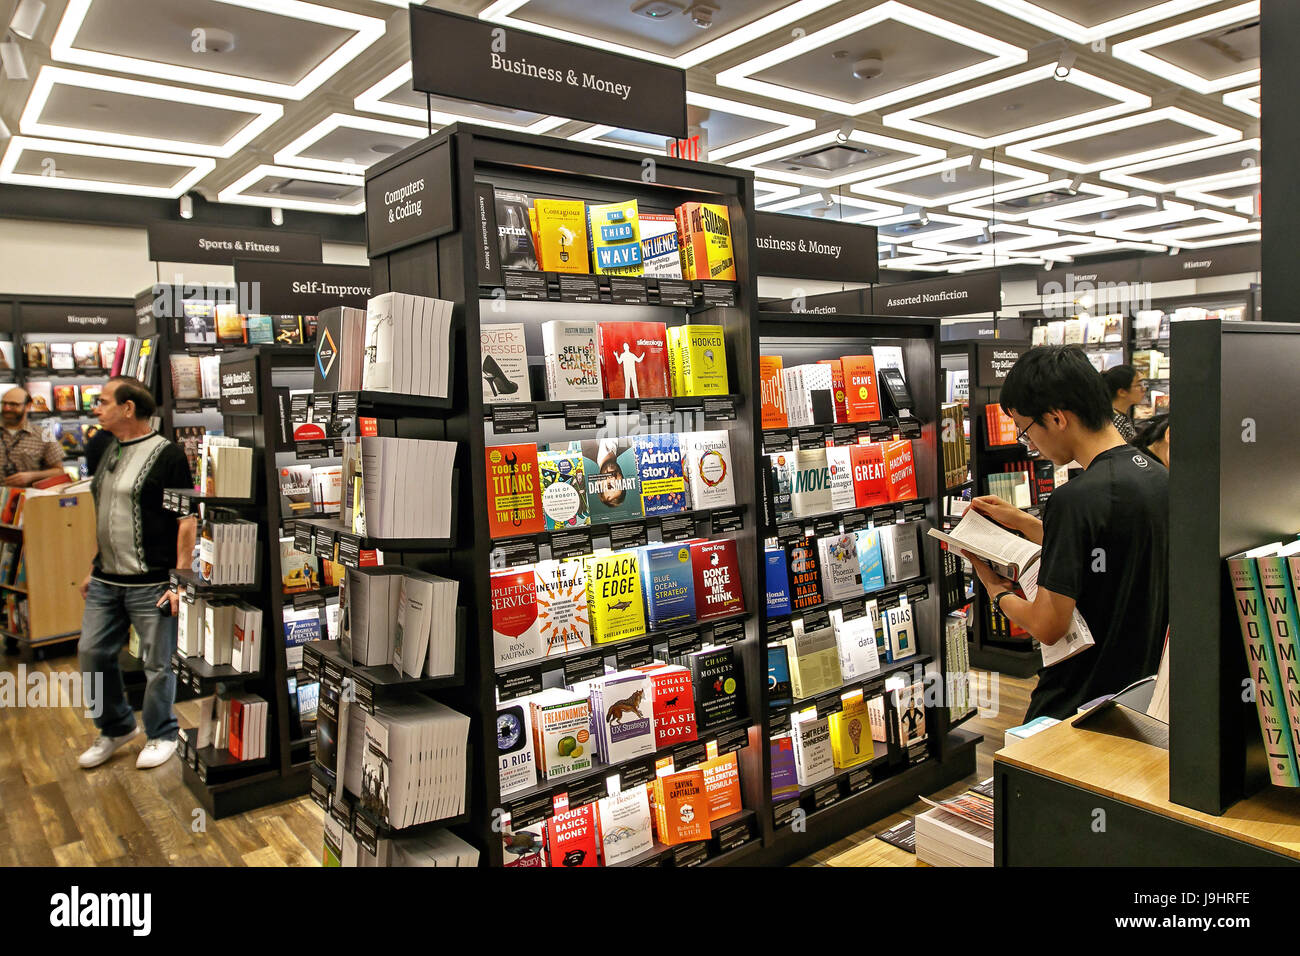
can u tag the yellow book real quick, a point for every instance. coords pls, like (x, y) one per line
(851, 732)
(615, 232)
(701, 360)
(708, 233)
(674, 366)
(615, 607)
(562, 235)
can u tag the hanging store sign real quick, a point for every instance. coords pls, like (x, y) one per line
(222, 245)
(802, 247)
(302, 288)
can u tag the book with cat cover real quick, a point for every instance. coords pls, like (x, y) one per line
(622, 709)
(710, 474)
(562, 235)
(771, 384)
(870, 476)
(564, 489)
(871, 565)
(516, 631)
(659, 256)
(514, 490)
(615, 232)
(659, 469)
(572, 352)
(572, 837)
(813, 757)
(841, 574)
(899, 470)
(562, 617)
(505, 363)
(614, 601)
(719, 686)
(850, 732)
(516, 764)
(716, 566)
(777, 578)
(514, 230)
(613, 487)
(805, 575)
(785, 777)
(811, 492)
(681, 807)
(626, 830)
(669, 585)
(634, 360)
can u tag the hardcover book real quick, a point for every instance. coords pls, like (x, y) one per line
(899, 631)
(781, 484)
(814, 661)
(813, 756)
(561, 733)
(572, 360)
(909, 710)
(634, 360)
(709, 472)
(716, 567)
(230, 324)
(516, 765)
(699, 358)
(850, 730)
(839, 393)
(89, 396)
(805, 576)
(719, 687)
(771, 386)
(899, 544)
(295, 490)
(870, 477)
(625, 828)
(516, 631)
(674, 704)
(856, 640)
(564, 489)
(514, 490)
(85, 354)
(785, 776)
(572, 837)
(871, 565)
(562, 617)
(722, 786)
(514, 230)
(505, 363)
(659, 255)
(38, 355)
(659, 469)
(615, 238)
(614, 601)
(811, 492)
(622, 709)
(682, 807)
(841, 574)
(861, 394)
(562, 235)
(66, 398)
(668, 583)
(899, 470)
(777, 578)
(839, 465)
(61, 356)
(707, 251)
(613, 485)
(780, 692)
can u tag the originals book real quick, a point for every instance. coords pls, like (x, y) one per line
(564, 489)
(613, 486)
(572, 360)
(716, 567)
(505, 363)
(709, 472)
(634, 360)
(659, 469)
(514, 490)
(516, 631)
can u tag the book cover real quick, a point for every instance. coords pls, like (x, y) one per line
(871, 565)
(38, 355)
(780, 690)
(66, 398)
(841, 573)
(811, 491)
(805, 576)
(564, 489)
(625, 828)
(659, 255)
(516, 631)
(230, 324)
(909, 711)
(505, 363)
(850, 730)
(572, 839)
(89, 396)
(722, 786)
(839, 466)
(780, 478)
(562, 235)
(674, 705)
(301, 626)
(709, 472)
(522, 846)
(813, 757)
(614, 602)
(288, 330)
(516, 765)
(777, 578)
(613, 486)
(785, 776)
(669, 585)
(659, 469)
(870, 476)
(514, 490)
(572, 360)
(899, 470)
(634, 360)
(561, 733)
(708, 234)
(719, 687)
(771, 389)
(70, 438)
(814, 661)
(85, 354)
(295, 490)
(260, 329)
(900, 547)
(514, 230)
(615, 232)
(562, 606)
(42, 394)
(61, 356)
(701, 357)
(682, 807)
(298, 571)
(839, 391)
(716, 566)
(899, 631)
(856, 640)
(623, 708)
(861, 392)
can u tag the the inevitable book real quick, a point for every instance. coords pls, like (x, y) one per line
(562, 619)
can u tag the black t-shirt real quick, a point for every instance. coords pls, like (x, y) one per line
(1106, 544)
(137, 537)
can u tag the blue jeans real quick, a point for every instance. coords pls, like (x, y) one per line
(110, 610)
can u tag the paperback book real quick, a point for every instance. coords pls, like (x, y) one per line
(505, 364)
(572, 360)
(564, 489)
(609, 469)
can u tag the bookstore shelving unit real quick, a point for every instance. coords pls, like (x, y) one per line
(832, 809)
(1014, 656)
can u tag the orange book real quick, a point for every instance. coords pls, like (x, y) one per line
(838, 392)
(235, 743)
(861, 397)
(682, 808)
(1002, 429)
(899, 470)
(772, 392)
(722, 786)
(514, 490)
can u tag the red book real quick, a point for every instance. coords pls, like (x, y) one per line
(514, 491)
(1002, 427)
(870, 481)
(838, 393)
(674, 704)
(573, 838)
(861, 397)
(900, 470)
(236, 741)
(772, 392)
(717, 579)
(634, 360)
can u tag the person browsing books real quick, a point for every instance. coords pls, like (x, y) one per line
(1104, 535)
(139, 543)
(25, 456)
(1125, 391)
(1153, 437)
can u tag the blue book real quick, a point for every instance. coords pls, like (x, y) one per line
(659, 468)
(259, 329)
(668, 584)
(870, 562)
(778, 581)
(779, 693)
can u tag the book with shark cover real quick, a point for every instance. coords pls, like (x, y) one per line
(614, 602)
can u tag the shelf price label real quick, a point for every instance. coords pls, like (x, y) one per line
(733, 835)
(879, 431)
(303, 538)
(909, 428)
(913, 509)
(656, 408)
(587, 791)
(674, 528)
(688, 754)
(776, 442)
(322, 540)
(829, 705)
(826, 795)
(728, 520)
(676, 292)
(636, 774)
(579, 288)
(853, 609)
(526, 812)
(690, 854)
(514, 419)
(814, 437)
(519, 683)
(629, 534)
(917, 592)
(720, 409)
(365, 691)
(854, 521)
(718, 293)
(778, 720)
(844, 434)
(625, 290)
(826, 526)
(786, 533)
(783, 813)
(633, 655)
(571, 543)
(681, 644)
(730, 741)
(859, 779)
(883, 515)
(728, 632)
(583, 416)
(366, 833)
(584, 667)
(320, 795)
(517, 552)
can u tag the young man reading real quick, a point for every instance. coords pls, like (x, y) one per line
(1104, 534)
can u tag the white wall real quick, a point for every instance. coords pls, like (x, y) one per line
(53, 258)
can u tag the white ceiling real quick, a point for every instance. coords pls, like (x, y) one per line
(963, 148)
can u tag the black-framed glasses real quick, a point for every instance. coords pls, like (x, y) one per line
(1023, 435)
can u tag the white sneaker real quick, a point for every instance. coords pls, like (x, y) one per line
(105, 747)
(154, 754)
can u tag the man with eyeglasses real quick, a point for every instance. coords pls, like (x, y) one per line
(25, 457)
(1105, 534)
(139, 544)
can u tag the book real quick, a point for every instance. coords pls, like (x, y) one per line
(681, 807)
(850, 732)
(301, 626)
(505, 363)
(722, 786)
(626, 830)
(659, 255)
(841, 573)
(516, 764)
(813, 756)
(514, 231)
(805, 576)
(814, 660)
(514, 490)
(699, 355)
(89, 397)
(771, 386)
(777, 580)
(562, 618)
(85, 354)
(522, 846)
(259, 329)
(561, 733)
(900, 547)
(704, 239)
(295, 490)
(839, 395)
(780, 485)
(609, 468)
(674, 704)
(839, 468)
(634, 360)
(909, 712)
(37, 355)
(615, 233)
(564, 490)
(659, 470)
(340, 350)
(66, 398)
(516, 630)
(899, 469)
(719, 687)
(870, 475)
(1008, 554)
(614, 601)
(42, 395)
(1001, 427)
(716, 566)
(572, 360)
(622, 710)
(899, 631)
(811, 490)
(562, 235)
(780, 692)
(785, 776)
(668, 584)
(861, 395)
(856, 640)
(871, 563)
(230, 324)
(61, 356)
(298, 571)
(710, 475)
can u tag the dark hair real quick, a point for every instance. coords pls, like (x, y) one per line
(1057, 378)
(132, 390)
(1152, 431)
(1119, 377)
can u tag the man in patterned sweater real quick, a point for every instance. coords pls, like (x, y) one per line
(139, 544)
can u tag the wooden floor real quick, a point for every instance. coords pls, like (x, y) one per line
(54, 813)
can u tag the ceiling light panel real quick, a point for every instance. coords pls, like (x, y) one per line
(1086, 32)
(1018, 205)
(1187, 222)
(357, 32)
(1218, 241)
(1191, 169)
(1246, 100)
(1236, 192)
(243, 190)
(767, 193)
(993, 262)
(907, 155)
(841, 207)
(1054, 150)
(378, 139)
(905, 227)
(994, 56)
(967, 184)
(116, 162)
(133, 103)
(788, 124)
(1103, 100)
(1005, 238)
(1115, 212)
(1144, 51)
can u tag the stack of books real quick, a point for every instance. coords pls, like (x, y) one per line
(236, 724)
(399, 616)
(226, 549)
(413, 762)
(407, 345)
(956, 832)
(406, 487)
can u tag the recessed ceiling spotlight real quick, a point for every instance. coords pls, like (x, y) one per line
(701, 15)
(869, 67)
(27, 18)
(846, 131)
(1064, 64)
(277, 216)
(212, 40)
(187, 206)
(655, 9)
(11, 59)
